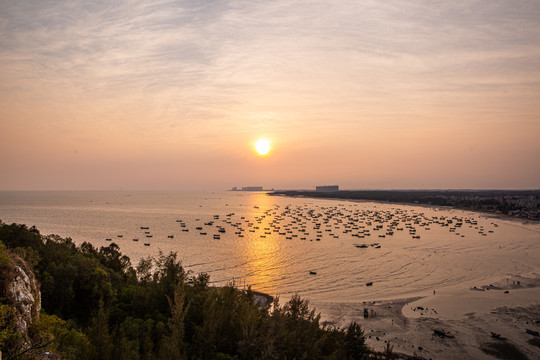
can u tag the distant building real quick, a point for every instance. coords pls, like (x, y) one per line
(252, 188)
(234, 188)
(327, 188)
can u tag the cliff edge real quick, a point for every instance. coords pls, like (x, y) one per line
(20, 302)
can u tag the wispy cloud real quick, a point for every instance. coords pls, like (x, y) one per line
(195, 71)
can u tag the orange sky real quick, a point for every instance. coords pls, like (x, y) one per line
(364, 94)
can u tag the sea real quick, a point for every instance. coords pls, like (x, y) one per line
(323, 249)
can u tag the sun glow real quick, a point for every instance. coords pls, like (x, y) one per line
(262, 146)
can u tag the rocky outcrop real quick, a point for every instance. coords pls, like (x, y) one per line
(20, 304)
(25, 297)
(20, 291)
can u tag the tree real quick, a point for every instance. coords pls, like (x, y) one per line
(99, 335)
(173, 346)
(355, 347)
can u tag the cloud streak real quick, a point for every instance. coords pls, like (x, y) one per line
(183, 76)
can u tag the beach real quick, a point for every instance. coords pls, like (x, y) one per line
(485, 322)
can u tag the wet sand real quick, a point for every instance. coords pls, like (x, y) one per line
(455, 322)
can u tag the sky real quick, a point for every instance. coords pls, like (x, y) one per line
(172, 95)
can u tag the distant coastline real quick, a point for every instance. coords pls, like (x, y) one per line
(523, 204)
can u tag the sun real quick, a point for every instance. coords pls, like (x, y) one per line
(262, 146)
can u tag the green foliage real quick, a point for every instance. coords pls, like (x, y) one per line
(15, 235)
(4, 259)
(65, 339)
(355, 346)
(156, 310)
(11, 341)
(99, 335)
(46, 333)
(173, 345)
(7, 269)
(72, 282)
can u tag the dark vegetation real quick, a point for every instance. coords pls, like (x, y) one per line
(534, 341)
(524, 203)
(503, 350)
(97, 305)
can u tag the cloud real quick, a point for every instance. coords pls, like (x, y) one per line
(166, 74)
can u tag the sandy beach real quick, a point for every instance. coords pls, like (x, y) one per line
(483, 321)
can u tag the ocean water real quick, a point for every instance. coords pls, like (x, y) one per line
(280, 245)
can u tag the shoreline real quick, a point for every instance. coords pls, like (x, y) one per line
(454, 322)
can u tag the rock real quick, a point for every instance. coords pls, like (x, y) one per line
(21, 299)
(27, 300)
(442, 333)
(262, 299)
(21, 291)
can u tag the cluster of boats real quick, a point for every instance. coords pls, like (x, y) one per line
(313, 223)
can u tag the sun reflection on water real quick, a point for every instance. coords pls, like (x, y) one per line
(261, 249)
